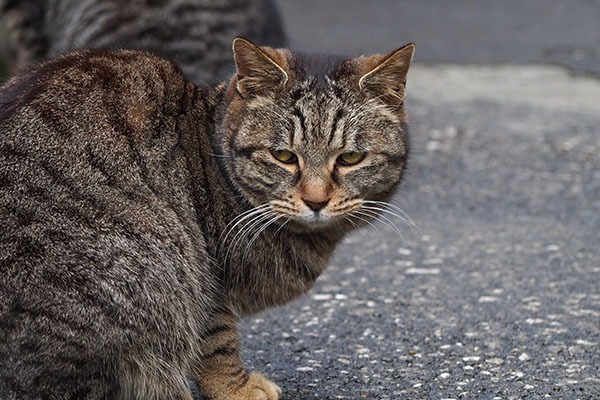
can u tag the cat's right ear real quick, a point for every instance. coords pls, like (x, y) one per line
(256, 70)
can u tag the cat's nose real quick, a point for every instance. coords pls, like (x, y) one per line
(316, 205)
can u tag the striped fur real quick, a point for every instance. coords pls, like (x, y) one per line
(196, 34)
(142, 215)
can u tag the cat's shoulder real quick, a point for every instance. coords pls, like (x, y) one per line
(119, 75)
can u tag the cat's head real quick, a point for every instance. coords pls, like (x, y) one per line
(316, 140)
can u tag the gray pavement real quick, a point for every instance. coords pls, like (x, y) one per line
(498, 296)
(458, 31)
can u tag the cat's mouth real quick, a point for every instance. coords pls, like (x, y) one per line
(299, 218)
(318, 221)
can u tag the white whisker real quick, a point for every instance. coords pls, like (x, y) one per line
(400, 213)
(382, 209)
(366, 222)
(265, 226)
(351, 222)
(245, 229)
(381, 218)
(238, 219)
(282, 225)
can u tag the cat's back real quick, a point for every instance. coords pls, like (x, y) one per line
(93, 126)
(90, 142)
(95, 212)
(89, 84)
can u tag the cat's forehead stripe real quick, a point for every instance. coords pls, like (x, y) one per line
(318, 66)
(336, 121)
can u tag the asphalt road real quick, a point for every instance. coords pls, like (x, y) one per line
(459, 31)
(498, 296)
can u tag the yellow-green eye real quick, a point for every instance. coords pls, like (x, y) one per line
(285, 156)
(351, 158)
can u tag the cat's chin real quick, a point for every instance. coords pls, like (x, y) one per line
(305, 225)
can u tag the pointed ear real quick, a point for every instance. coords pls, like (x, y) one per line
(256, 70)
(388, 77)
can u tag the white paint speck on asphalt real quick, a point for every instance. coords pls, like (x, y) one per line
(488, 299)
(422, 271)
(524, 357)
(534, 321)
(404, 252)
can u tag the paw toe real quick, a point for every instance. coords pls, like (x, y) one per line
(269, 390)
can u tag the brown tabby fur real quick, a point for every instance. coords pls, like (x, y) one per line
(142, 215)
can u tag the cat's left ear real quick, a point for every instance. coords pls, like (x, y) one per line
(257, 70)
(387, 78)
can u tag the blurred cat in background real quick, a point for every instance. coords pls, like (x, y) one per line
(195, 34)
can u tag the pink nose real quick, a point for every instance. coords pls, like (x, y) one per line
(316, 205)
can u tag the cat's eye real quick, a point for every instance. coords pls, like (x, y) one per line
(284, 156)
(351, 158)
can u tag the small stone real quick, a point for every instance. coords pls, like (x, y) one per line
(585, 342)
(487, 299)
(422, 271)
(433, 146)
(517, 375)
(524, 357)
(404, 252)
(534, 321)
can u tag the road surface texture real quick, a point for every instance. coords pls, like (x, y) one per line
(498, 296)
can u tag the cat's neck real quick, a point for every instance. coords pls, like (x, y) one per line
(256, 270)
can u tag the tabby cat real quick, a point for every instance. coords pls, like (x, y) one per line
(142, 215)
(195, 34)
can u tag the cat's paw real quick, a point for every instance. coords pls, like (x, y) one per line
(257, 388)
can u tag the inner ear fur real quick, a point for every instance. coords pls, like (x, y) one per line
(258, 68)
(385, 75)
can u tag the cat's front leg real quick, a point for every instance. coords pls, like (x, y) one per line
(219, 372)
